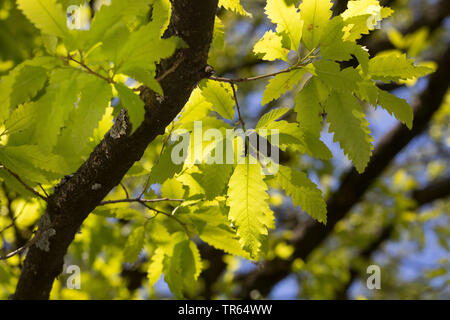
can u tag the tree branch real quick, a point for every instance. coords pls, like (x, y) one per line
(74, 199)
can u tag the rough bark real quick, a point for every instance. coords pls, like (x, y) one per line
(74, 199)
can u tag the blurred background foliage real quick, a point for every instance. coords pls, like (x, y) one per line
(396, 225)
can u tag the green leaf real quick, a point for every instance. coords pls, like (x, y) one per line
(21, 119)
(95, 97)
(28, 82)
(133, 103)
(249, 209)
(397, 107)
(271, 47)
(134, 245)
(309, 111)
(183, 267)
(29, 162)
(394, 66)
(144, 48)
(363, 16)
(290, 135)
(173, 189)
(281, 84)
(46, 15)
(147, 77)
(287, 19)
(117, 12)
(220, 95)
(315, 15)
(334, 47)
(55, 106)
(213, 178)
(331, 74)
(155, 268)
(234, 5)
(350, 128)
(303, 192)
(196, 108)
(165, 168)
(161, 12)
(224, 238)
(13, 90)
(270, 116)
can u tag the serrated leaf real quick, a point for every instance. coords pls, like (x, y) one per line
(291, 135)
(133, 103)
(304, 192)
(270, 116)
(55, 106)
(315, 14)
(183, 267)
(288, 21)
(173, 189)
(271, 48)
(331, 74)
(397, 107)
(46, 15)
(144, 48)
(309, 111)
(165, 168)
(196, 108)
(235, 6)
(223, 238)
(247, 199)
(334, 47)
(213, 178)
(156, 266)
(134, 245)
(94, 99)
(363, 16)
(395, 66)
(161, 12)
(282, 83)
(220, 96)
(28, 82)
(117, 11)
(350, 128)
(29, 162)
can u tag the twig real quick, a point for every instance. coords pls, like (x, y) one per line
(38, 234)
(237, 106)
(125, 190)
(24, 184)
(170, 70)
(167, 215)
(43, 190)
(237, 80)
(89, 70)
(139, 200)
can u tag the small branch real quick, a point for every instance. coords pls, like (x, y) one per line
(24, 184)
(37, 236)
(125, 190)
(170, 70)
(237, 106)
(237, 80)
(43, 190)
(167, 215)
(89, 70)
(139, 200)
